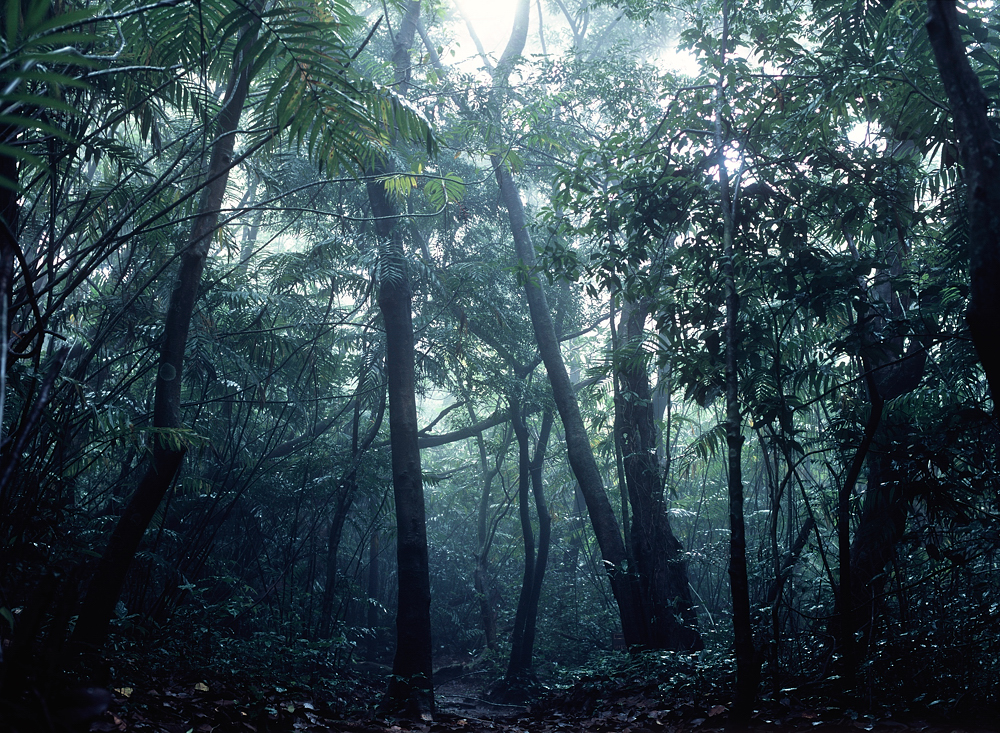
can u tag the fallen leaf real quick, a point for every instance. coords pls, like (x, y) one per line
(201, 687)
(717, 710)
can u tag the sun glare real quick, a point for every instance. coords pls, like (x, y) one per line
(492, 21)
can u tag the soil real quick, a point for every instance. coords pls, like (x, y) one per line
(187, 706)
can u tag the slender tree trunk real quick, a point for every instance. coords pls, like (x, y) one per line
(747, 661)
(345, 500)
(520, 676)
(481, 574)
(167, 446)
(624, 584)
(410, 688)
(519, 667)
(544, 535)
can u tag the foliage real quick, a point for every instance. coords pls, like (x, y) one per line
(277, 539)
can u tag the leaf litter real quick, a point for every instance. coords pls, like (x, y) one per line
(206, 706)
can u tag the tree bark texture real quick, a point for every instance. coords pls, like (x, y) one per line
(520, 669)
(624, 584)
(669, 615)
(982, 164)
(167, 450)
(410, 688)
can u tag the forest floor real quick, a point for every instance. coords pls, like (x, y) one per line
(208, 706)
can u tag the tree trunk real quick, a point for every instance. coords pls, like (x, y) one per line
(168, 448)
(410, 689)
(481, 574)
(520, 669)
(747, 660)
(668, 609)
(544, 535)
(981, 162)
(624, 584)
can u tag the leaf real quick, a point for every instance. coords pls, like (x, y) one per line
(201, 687)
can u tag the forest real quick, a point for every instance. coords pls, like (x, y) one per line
(423, 365)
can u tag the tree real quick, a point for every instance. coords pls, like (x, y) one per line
(411, 687)
(980, 158)
(168, 446)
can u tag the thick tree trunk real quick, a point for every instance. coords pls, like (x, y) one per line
(624, 584)
(981, 161)
(669, 612)
(168, 448)
(410, 689)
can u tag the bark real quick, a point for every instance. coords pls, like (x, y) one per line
(410, 688)
(669, 615)
(747, 660)
(624, 585)
(520, 669)
(981, 162)
(484, 539)
(167, 450)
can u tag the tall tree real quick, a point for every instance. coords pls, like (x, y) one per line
(168, 445)
(747, 662)
(411, 688)
(981, 161)
(624, 584)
